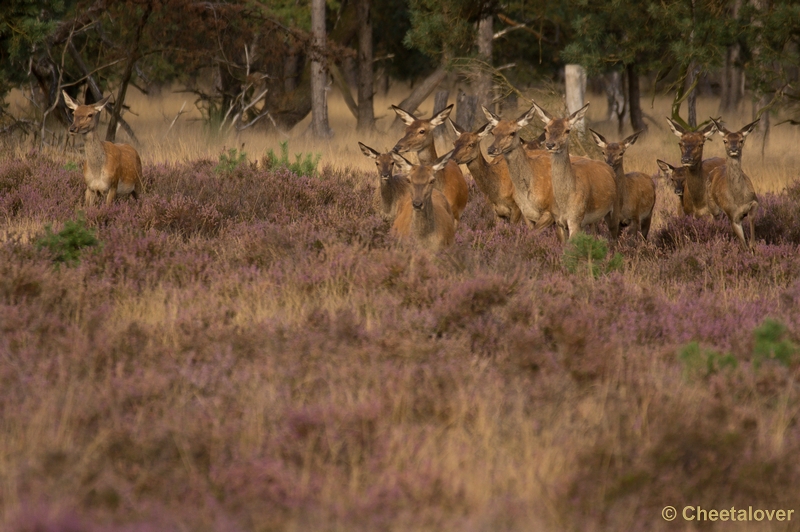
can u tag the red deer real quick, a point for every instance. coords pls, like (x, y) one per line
(636, 190)
(418, 138)
(584, 189)
(109, 169)
(491, 177)
(676, 175)
(698, 170)
(729, 189)
(530, 174)
(424, 215)
(392, 187)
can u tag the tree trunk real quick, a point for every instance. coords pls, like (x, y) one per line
(290, 72)
(439, 103)
(615, 95)
(319, 76)
(634, 99)
(366, 113)
(133, 55)
(419, 94)
(691, 100)
(575, 81)
(466, 107)
(483, 83)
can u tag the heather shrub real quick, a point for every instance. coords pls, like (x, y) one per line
(186, 217)
(67, 245)
(586, 253)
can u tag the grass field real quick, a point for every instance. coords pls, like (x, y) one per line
(251, 350)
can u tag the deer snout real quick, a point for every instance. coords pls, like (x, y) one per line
(73, 129)
(417, 204)
(550, 145)
(493, 150)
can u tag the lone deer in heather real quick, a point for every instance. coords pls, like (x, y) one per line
(418, 138)
(584, 189)
(694, 195)
(109, 169)
(393, 188)
(636, 190)
(729, 189)
(676, 175)
(530, 174)
(491, 177)
(424, 215)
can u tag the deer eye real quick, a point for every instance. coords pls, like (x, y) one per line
(421, 131)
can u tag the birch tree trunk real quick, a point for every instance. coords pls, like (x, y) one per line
(483, 83)
(319, 76)
(575, 80)
(366, 114)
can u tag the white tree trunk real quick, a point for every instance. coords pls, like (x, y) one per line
(575, 79)
(483, 85)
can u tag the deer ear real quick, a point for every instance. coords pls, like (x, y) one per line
(630, 141)
(442, 161)
(544, 115)
(441, 116)
(484, 130)
(405, 116)
(98, 106)
(598, 138)
(455, 127)
(676, 128)
(490, 116)
(711, 128)
(578, 115)
(369, 152)
(665, 167)
(402, 163)
(72, 104)
(746, 130)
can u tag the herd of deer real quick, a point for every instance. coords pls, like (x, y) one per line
(536, 181)
(539, 182)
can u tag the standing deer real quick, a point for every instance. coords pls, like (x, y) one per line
(729, 189)
(676, 175)
(424, 215)
(393, 188)
(491, 177)
(109, 169)
(584, 189)
(691, 144)
(418, 138)
(636, 190)
(530, 174)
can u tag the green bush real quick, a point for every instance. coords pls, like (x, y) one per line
(67, 244)
(770, 343)
(585, 253)
(699, 363)
(306, 166)
(228, 162)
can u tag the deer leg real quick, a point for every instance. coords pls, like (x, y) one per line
(737, 228)
(644, 228)
(544, 221)
(562, 233)
(111, 194)
(89, 197)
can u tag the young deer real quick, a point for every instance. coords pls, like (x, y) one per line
(676, 175)
(393, 188)
(530, 174)
(491, 177)
(636, 190)
(584, 189)
(424, 215)
(698, 170)
(109, 169)
(729, 189)
(418, 138)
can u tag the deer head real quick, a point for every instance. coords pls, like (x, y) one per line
(675, 174)
(419, 132)
(421, 177)
(506, 132)
(557, 129)
(613, 151)
(691, 142)
(734, 141)
(383, 161)
(468, 144)
(84, 117)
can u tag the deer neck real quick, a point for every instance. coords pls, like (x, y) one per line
(519, 169)
(695, 184)
(422, 220)
(480, 169)
(563, 176)
(427, 155)
(619, 177)
(734, 168)
(94, 152)
(391, 189)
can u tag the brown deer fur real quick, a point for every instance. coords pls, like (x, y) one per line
(584, 190)
(424, 215)
(491, 177)
(698, 170)
(109, 169)
(418, 138)
(392, 187)
(636, 190)
(729, 189)
(529, 170)
(676, 175)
